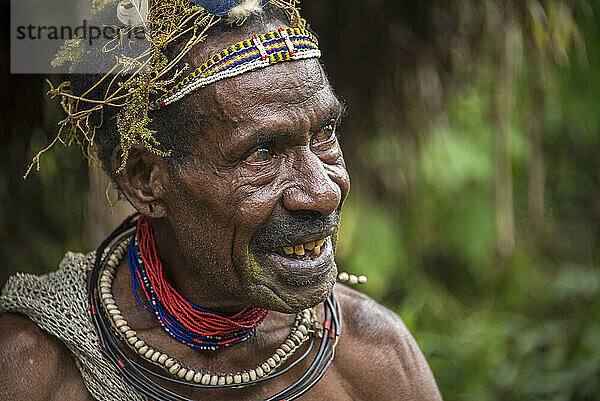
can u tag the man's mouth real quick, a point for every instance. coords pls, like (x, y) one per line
(302, 263)
(309, 250)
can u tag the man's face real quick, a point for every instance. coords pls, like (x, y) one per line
(268, 175)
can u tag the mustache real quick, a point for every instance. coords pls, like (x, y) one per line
(286, 232)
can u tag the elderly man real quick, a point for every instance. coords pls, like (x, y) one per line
(223, 287)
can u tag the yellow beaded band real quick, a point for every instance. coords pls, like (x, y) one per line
(260, 51)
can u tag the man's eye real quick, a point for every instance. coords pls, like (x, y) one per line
(326, 134)
(259, 156)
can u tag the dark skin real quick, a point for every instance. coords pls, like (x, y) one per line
(267, 172)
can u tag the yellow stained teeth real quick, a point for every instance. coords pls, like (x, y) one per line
(299, 250)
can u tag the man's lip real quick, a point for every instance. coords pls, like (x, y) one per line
(300, 240)
(303, 239)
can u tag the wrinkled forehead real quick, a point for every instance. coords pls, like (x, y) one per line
(277, 88)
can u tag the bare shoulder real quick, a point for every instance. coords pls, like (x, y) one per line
(35, 365)
(377, 349)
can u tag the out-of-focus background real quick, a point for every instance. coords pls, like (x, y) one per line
(473, 143)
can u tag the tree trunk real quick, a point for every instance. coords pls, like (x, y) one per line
(537, 170)
(505, 224)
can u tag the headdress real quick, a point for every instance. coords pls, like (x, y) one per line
(149, 79)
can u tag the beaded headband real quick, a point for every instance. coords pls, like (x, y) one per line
(257, 52)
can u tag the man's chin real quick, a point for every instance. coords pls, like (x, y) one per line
(286, 299)
(288, 284)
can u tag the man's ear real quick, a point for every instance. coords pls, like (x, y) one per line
(143, 180)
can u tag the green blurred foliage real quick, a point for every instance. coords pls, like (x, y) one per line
(423, 82)
(524, 327)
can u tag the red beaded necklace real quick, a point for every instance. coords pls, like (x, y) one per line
(194, 318)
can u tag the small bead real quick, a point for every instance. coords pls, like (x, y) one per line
(299, 334)
(114, 311)
(252, 374)
(139, 344)
(290, 344)
(143, 350)
(343, 277)
(124, 329)
(189, 375)
(169, 363)
(362, 279)
(281, 352)
(265, 367)
(197, 377)
(108, 301)
(228, 379)
(181, 373)
(150, 353)
(276, 358)
(296, 339)
(111, 307)
(302, 329)
(205, 379)
(133, 340)
(221, 381)
(162, 358)
(245, 377)
(237, 378)
(259, 372)
(155, 356)
(130, 333)
(174, 369)
(214, 380)
(353, 280)
(286, 348)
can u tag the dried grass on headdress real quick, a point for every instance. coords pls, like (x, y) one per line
(148, 74)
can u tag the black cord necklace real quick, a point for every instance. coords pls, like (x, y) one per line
(140, 377)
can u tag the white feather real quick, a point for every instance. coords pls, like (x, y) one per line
(243, 10)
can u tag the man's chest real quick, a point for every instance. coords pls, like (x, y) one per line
(331, 387)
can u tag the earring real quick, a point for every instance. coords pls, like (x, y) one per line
(151, 208)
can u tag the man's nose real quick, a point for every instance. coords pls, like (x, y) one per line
(314, 189)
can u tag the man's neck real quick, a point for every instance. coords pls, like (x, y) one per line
(199, 282)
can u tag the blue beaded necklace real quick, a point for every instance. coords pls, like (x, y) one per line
(167, 320)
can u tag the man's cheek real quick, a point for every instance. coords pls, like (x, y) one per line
(257, 204)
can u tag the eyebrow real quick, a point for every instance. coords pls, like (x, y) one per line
(261, 135)
(335, 113)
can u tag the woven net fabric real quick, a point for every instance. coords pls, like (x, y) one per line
(57, 302)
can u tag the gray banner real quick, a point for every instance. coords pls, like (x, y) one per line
(60, 36)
